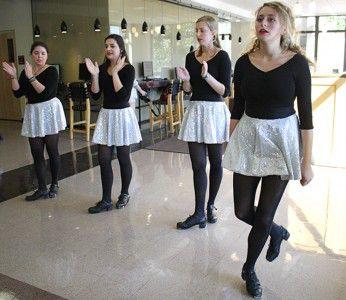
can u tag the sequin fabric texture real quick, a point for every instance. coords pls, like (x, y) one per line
(44, 118)
(205, 122)
(117, 127)
(261, 147)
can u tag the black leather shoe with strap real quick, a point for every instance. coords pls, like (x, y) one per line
(123, 199)
(211, 214)
(275, 244)
(193, 220)
(100, 207)
(253, 286)
(39, 194)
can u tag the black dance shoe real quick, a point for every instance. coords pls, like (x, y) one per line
(275, 243)
(123, 199)
(39, 194)
(53, 190)
(211, 215)
(253, 286)
(100, 207)
(192, 221)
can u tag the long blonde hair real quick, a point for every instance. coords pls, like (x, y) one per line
(212, 24)
(287, 41)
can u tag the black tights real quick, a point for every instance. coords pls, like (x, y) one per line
(105, 160)
(37, 150)
(198, 154)
(260, 218)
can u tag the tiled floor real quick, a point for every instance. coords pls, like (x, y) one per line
(136, 253)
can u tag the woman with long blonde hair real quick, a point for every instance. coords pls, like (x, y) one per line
(266, 134)
(207, 74)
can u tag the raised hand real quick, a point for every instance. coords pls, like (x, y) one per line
(92, 68)
(183, 74)
(204, 68)
(28, 70)
(9, 69)
(120, 63)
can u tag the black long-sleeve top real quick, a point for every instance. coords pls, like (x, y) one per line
(49, 78)
(271, 95)
(113, 99)
(219, 67)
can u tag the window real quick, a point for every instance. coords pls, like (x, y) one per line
(330, 53)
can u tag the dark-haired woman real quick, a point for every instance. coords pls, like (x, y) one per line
(43, 117)
(117, 125)
(207, 74)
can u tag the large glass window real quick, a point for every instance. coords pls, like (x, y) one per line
(330, 41)
(330, 53)
(332, 23)
(306, 24)
(307, 42)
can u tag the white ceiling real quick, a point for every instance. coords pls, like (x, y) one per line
(246, 8)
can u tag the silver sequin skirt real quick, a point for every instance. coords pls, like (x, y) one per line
(261, 148)
(205, 122)
(44, 118)
(117, 127)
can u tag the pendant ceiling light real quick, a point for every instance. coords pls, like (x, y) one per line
(123, 25)
(145, 24)
(37, 31)
(123, 21)
(145, 27)
(97, 25)
(162, 29)
(230, 37)
(191, 48)
(63, 27)
(178, 36)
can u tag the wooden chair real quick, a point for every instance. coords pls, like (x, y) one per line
(79, 100)
(169, 108)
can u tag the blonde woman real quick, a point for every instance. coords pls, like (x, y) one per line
(265, 131)
(207, 74)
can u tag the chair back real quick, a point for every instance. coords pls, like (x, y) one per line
(78, 91)
(175, 88)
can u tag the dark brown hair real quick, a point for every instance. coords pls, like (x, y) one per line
(36, 44)
(121, 44)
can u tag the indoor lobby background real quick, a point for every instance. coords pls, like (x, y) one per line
(55, 249)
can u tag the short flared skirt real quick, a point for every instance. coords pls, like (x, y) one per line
(44, 118)
(205, 122)
(118, 127)
(262, 147)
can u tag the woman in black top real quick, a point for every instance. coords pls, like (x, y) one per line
(265, 143)
(116, 124)
(43, 117)
(207, 75)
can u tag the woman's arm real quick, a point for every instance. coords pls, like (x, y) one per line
(307, 174)
(222, 87)
(303, 92)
